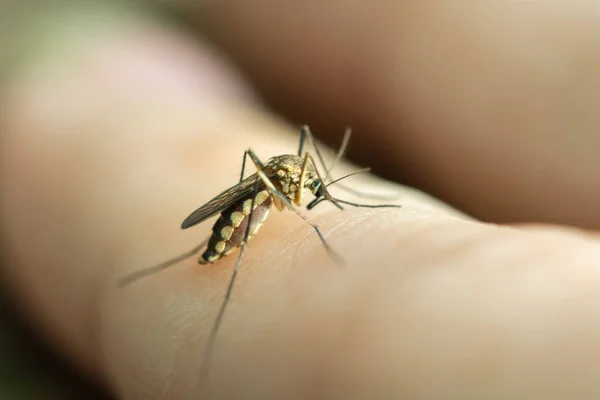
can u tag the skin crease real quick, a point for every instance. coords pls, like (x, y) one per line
(430, 304)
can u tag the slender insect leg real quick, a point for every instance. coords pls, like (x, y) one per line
(318, 200)
(135, 275)
(298, 199)
(243, 166)
(274, 192)
(306, 134)
(326, 194)
(303, 133)
(341, 152)
(338, 157)
(208, 349)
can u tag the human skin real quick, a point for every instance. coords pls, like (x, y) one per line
(116, 128)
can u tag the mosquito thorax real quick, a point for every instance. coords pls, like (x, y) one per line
(285, 172)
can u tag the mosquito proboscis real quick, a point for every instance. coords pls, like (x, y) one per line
(244, 207)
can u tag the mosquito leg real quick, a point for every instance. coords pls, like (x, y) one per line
(340, 154)
(210, 343)
(274, 192)
(243, 166)
(309, 136)
(298, 199)
(343, 148)
(325, 192)
(135, 275)
(303, 133)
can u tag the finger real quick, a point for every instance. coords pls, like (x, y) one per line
(490, 106)
(298, 326)
(111, 134)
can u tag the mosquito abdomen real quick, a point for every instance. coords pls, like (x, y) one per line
(230, 229)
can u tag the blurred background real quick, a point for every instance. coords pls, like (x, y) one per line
(29, 370)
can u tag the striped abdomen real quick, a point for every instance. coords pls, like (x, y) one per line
(230, 229)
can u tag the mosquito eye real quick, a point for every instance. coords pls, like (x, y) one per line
(318, 188)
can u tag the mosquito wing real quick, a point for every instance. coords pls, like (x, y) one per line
(235, 193)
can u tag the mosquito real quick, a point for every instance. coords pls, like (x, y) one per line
(244, 207)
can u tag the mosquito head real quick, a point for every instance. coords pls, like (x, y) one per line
(317, 188)
(321, 194)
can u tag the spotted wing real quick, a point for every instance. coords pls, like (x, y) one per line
(235, 193)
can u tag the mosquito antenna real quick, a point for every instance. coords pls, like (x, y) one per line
(334, 200)
(358, 193)
(139, 274)
(338, 158)
(349, 175)
(317, 200)
(364, 195)
(350, 190)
